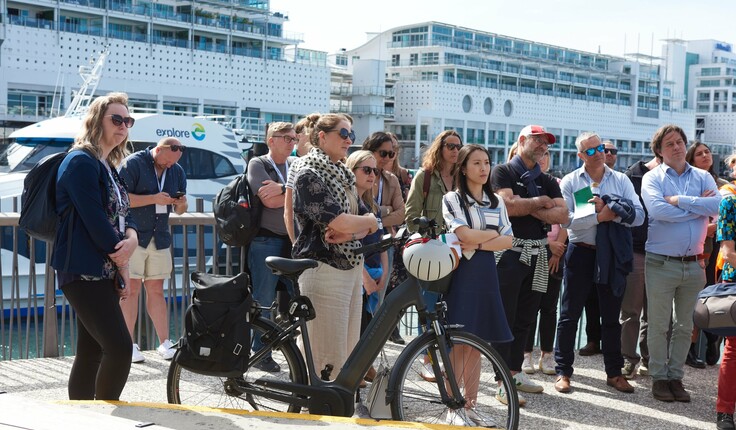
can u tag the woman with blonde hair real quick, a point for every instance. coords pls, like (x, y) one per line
(330, 229)
(93, 205)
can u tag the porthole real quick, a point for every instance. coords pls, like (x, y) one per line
(488, 105)
(467, 104)
(508, 108)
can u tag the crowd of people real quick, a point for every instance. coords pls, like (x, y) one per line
(632, 249)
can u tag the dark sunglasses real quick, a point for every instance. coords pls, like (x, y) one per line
(118, 120)
(612, 151)
(591, 151)
(176, 148)
(453, 146)
(384, 154)
(368, 170)
(345, 133)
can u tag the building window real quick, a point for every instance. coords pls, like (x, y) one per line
(395, 60)
(467, 104)
(488, 106)
(413, 59)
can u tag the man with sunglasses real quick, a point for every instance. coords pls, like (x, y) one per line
(602, 206)
(680, 200)
(533, 201)
(267, 178)
(156, 185)
(592, 314)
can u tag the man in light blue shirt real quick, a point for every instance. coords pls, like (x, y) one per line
(680, 199)
(595, 236)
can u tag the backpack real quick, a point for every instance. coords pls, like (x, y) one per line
(216, 339)
(715, 309)
(237, 212)
(38, 217)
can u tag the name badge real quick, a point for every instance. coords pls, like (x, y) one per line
(161, 209)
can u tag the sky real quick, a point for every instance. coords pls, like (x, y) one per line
(614, 27)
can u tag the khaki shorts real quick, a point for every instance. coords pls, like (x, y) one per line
(150, 263)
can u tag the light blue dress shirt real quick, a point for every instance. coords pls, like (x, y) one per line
(680, 230)
(614, 184)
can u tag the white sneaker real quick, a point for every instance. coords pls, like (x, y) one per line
(526, 365)
(427, 373)
(137, 356)
(501, 397)
(523, 383)
(547, 364)
(458, 418)
(166, 350)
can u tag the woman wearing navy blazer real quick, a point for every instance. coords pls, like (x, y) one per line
(88, 259)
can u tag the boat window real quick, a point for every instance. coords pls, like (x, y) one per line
(200, 163)
(23, 154)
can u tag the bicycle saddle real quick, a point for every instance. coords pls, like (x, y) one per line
(288, 266)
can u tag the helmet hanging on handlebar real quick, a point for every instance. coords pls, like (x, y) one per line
(429, 259)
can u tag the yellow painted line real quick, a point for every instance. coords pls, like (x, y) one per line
(288, 415)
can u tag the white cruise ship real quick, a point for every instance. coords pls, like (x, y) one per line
(226, 58)
(489, 86)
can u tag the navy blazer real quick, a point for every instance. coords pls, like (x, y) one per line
(83, 182)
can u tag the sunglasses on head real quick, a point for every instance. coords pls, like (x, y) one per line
(118, 120)
(611, 151)
(345, 134)
(384, 154)
(368, 170)
(591, 151)
(453, 146)
(176, 148)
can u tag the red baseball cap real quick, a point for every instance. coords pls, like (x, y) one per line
(535, 130)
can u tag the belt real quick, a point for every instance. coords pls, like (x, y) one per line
(678, 258)
(584, 245)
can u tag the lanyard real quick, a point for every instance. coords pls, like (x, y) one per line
(162, 180)
(121, 221)
(278, 172)
(380, 190)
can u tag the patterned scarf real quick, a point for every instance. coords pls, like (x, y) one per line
(340, 181)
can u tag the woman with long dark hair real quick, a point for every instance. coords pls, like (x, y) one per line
(479, 219)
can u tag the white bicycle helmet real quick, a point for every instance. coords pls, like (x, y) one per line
(429, 259)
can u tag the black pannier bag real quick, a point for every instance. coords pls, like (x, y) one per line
(216, 340)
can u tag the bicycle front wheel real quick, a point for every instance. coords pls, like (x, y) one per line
(189, 388)
(481, 375)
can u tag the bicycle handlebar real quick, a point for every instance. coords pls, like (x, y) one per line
(425, 227)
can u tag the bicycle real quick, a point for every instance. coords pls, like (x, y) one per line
(296, 385)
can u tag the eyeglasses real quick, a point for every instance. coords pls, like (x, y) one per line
(453, 146)
(345, 133)
(287, 139)
(118, 120)
(176, 148)
(368, 170)
(611, 151)
(384, 154)
(591, 151)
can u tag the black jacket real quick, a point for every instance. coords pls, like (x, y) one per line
(639, 233)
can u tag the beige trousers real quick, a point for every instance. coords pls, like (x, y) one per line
(338, 301)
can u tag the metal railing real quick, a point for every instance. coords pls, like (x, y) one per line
(37, 321)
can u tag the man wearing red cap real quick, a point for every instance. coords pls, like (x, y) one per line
(534, 201)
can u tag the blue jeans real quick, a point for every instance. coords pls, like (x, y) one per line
(263, 280)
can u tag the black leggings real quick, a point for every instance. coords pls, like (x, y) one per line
(104, 347)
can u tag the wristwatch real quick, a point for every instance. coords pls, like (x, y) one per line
(283, 188)
(379, 223)
(388, 210)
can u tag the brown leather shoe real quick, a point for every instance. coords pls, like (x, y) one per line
(590, 348)
(620, 383)
(562, 384)
(661, 391)
(678, 391)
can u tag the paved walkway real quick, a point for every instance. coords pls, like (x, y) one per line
(37, 394)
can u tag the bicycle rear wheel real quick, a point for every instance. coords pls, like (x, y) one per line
(476, 366)
(189, 388)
